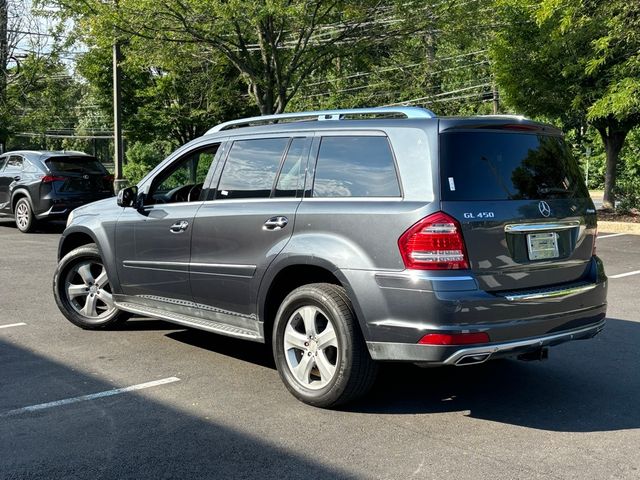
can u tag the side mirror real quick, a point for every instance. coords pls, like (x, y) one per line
(127, 196)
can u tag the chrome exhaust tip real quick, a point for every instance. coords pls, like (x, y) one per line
(472, 359)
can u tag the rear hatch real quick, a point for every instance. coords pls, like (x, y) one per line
(79, 175)
(524, 209)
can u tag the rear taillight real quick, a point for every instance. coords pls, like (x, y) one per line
(434, 243)
(109, 178)
(454, 338)
(595, 238)
(51, 179)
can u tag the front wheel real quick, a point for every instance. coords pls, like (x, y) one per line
(82, 290)
(25, 219)
(318, 348)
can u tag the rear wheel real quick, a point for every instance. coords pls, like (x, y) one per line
(25, 220)
(83, 292)
(318, 347)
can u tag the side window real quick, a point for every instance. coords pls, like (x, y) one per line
(2, 162)
(14, 164)
(29, 167)
(251, 168)
(292, 173)
(355, 166)
(182, 181)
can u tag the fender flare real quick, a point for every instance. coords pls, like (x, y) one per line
(284, 261)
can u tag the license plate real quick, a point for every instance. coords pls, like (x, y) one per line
(543, 245)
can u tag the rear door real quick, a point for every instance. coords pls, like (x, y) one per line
(248, 221)
(524, 209)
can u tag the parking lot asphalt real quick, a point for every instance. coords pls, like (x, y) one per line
(206, 406)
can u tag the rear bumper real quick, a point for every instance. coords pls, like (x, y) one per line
(467, 355)
(60, 207)
(396, 309)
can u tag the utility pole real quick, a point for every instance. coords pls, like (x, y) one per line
(4, 61)
(496, 104)
(119, 182)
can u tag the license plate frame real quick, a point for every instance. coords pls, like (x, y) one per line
(543, 246)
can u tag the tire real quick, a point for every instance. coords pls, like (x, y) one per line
(83, 292)
(24, 217)
(317, 370)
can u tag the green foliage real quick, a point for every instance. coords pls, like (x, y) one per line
(628, 193)
(575, 61)
(142, 157)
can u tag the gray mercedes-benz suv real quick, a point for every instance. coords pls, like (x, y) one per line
(350, 237)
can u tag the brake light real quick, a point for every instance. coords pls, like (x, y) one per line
(51, 178)
(454, 338)
(109, 178)
(595, 238)
(434, 243)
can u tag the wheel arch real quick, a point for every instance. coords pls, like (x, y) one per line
(294, 272)
(79, 235)
(19, 193)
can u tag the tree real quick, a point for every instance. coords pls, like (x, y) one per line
(575, 61)
(274, 44)
(165, 95)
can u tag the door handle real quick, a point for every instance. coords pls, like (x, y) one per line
(179, 227)
(16, 178)
(275, 223)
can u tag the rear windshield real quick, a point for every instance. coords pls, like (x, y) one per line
(75, 165)
(507, 166)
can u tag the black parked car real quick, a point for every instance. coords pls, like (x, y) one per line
(36, 185)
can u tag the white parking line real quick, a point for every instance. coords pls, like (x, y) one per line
(92, 396)
(612, 235)
(13, 325)
(628, 274)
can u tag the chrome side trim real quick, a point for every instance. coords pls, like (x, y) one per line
(530, 342)
(551, 294)
(321, 115)
(540, 227)
(222, 269)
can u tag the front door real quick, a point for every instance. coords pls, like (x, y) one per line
(241, 231)
(153, 241)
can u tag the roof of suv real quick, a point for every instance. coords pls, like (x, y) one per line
(383, 116)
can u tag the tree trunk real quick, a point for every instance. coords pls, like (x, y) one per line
(613, 139)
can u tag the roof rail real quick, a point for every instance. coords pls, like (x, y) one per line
(322, 115)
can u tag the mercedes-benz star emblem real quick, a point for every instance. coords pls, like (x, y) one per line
(86, 177)
(544, 208)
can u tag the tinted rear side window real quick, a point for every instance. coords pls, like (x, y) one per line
(75, 165)
(2, 162)
(507, 166)
(251, 168)
(355, 167)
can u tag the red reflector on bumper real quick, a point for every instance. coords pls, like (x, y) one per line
(454, 338)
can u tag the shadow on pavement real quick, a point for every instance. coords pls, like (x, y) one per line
(57, 226)
(123, 436)
(585, 386)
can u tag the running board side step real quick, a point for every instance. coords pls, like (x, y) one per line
(194, 322)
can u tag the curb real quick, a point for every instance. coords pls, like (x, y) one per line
(619, 227)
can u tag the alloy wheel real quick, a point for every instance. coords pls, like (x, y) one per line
(311, 347)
